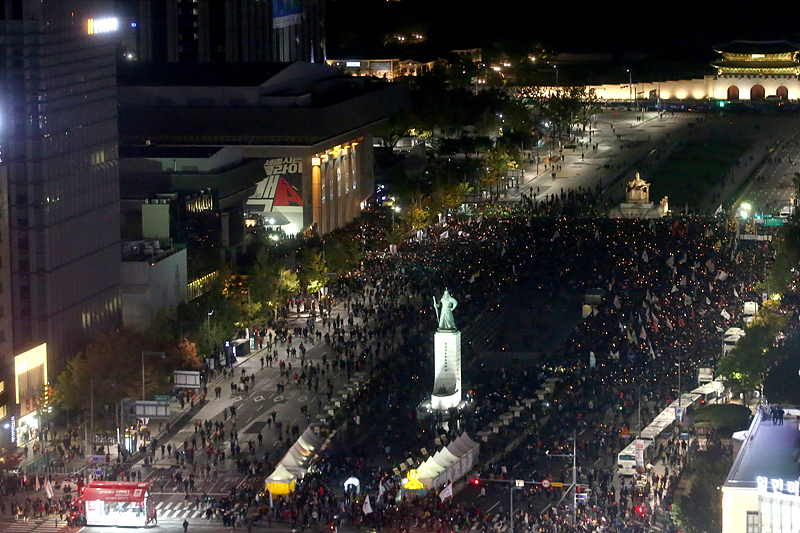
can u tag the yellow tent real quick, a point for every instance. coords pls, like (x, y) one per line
(281, 481)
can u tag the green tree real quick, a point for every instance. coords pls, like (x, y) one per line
(499, 160)
(746, 366)
(396, 234)
(418, 214)
(449, 195)
(396, 128)
(312, 273)
(701, 510)
(783, 271)
(342, 253)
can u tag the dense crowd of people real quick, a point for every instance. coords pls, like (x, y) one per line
(671, 288)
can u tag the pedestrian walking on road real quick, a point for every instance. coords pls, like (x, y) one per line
(185, 526)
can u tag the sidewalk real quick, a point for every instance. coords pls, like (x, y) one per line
(614, 158)
(212, 408)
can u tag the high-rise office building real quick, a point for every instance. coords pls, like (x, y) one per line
(232, 31)
(60, 234)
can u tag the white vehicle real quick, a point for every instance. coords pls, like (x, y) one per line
(750, 311)
(730, 338)
(626, 459)
(786, 212)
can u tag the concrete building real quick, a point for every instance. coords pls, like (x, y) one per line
(153, 279)
(291, 143)
(762, 491)
(59, 156)
(233, 31)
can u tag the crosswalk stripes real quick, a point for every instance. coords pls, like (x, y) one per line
(495, 525)
(181, 510)
(37, 525)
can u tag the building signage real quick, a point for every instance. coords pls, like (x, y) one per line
(13, 429)
(105, 25)
(778, 486)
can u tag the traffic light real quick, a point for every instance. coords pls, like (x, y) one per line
(476, 480)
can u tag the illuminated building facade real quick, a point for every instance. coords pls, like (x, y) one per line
(747, 71)
(388, 69)
(59, 157)
(294, 151)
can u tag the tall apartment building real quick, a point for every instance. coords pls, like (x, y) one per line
(59, 224)
(232, 31)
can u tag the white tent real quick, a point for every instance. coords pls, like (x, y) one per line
(310, 440)
(281, 481)
(450, 463)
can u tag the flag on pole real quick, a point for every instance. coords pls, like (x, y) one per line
(643, 334)
(380, 489)
(726, 315)
(735, 294)
(367, 508)
(674, 289)
(556, 235)
(444, 235)
(616, 302)
(669, 324)
(671, 261)
(447, 492)
(645, 257)
(592, 360)
(38, 486)
(652, 353)
(48, 489)
(718, 212)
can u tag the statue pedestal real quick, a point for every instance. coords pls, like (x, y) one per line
(447, 370)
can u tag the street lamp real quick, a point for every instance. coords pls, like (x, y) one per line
(556, 67)
(630, 86)
(208, 325)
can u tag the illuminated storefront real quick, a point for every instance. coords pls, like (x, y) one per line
(30, 380)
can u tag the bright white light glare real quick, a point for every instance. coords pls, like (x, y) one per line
(352, 63)
(105, 25)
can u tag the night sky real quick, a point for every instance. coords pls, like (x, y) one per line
(564, 26)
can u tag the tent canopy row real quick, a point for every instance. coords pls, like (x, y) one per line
(294, 464)
(450, 463)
